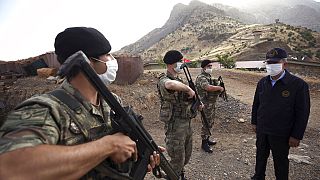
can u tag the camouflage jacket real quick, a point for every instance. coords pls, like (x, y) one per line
(173, 103)
(202, 81)
(44, 119)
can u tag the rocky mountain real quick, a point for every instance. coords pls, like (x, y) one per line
(304, 13)
(201, 31)
(187, 23)
(179, 16)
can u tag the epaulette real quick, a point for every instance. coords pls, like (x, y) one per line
(161, 75)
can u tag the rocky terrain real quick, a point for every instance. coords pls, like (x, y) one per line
(234, 155)
(203, 31)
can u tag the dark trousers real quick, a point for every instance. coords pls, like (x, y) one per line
(279, 147)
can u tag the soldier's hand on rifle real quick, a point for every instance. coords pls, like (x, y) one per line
(155, 159)
(190, 92)
(201, 106)
(122, 148)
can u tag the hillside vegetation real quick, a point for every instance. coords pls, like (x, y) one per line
(203, 31)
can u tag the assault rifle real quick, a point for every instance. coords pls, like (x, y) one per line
(196, 99)
(128, 122)
(224, 92)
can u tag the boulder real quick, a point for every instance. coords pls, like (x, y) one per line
(46, 72)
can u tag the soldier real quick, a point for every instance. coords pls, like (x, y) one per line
(208, 90)
(45, 134)
(175, 112)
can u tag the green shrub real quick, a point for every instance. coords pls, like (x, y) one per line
(226, 61)
(307, 35)
(193, 64)
(318, 54)
(307, 53)
(160, 62)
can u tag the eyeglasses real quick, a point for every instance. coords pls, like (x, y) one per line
(109, 57)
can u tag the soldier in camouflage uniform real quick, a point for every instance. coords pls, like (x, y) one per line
(175, 112)
(208, 90)
(46, 138)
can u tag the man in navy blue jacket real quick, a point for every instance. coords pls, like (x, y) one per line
(280, 114)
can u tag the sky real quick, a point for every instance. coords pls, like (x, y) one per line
(28, 27)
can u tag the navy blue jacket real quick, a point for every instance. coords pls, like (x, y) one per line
(281, 110)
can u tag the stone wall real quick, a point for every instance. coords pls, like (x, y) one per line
(304, 68)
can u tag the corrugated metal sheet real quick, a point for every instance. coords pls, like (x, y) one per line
(18, 66)
(51, 59)
(130, 69)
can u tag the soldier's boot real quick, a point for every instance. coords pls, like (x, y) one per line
(205, 146)
(211, 142)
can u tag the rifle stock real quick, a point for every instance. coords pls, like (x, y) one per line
(196, 99)
(127, 120)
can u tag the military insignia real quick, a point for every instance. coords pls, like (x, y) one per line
(272, 53)
(285, 93)
(74, 128)
(26, 115)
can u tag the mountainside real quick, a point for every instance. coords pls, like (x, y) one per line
(294, 12)
(179, 16)
(201, 31)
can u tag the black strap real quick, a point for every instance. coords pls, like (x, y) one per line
(64, 97)
(73, 105)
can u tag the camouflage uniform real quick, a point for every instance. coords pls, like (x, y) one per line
(175, 113)
(208, 99)
(45, 119)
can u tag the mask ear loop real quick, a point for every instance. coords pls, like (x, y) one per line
(97, 60)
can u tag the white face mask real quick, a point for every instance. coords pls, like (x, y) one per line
(273, 69)
(178, 69)
(209, 71)
(110, 75)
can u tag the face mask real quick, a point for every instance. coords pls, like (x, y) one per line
(178, 69)
(209, 71)
(110, 75)
(273, 69)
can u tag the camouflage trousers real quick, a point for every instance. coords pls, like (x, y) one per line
(179, 142)
(209, 111)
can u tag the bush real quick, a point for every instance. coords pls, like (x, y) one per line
(226, 61)
(193, 64)
(307, 53)
(318, 54)
(160, 62)
(307, 35)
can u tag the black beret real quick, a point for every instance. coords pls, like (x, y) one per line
(89, 40)
(276, 54)
(204, 63)
(172, 57)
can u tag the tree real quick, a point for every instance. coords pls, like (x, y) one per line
(226, 61)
